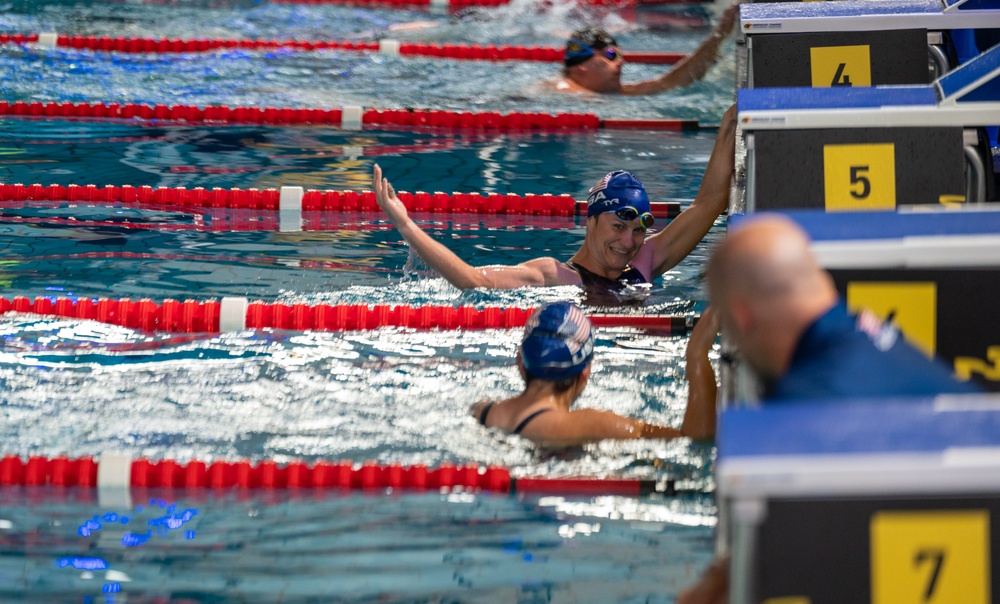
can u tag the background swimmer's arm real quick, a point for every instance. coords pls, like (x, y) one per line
(591, 425)
(693, 67)
(675, 242)
(700, 415)
(541, 271)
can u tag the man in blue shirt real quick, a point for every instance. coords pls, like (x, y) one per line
(783, 313)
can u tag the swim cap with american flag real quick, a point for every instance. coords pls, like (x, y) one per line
(616, 190)
(558, 342)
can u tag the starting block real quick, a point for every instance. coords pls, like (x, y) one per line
(875, 148)
(884, 501)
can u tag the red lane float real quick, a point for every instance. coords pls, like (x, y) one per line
(189, 114)
(191, 316)
(183, 199)
(84, 472)
(471, 52)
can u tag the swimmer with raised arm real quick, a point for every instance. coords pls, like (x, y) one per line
(555, 359)
(593, 62)
(616, 253)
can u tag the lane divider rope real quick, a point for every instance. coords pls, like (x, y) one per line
(122, 472)
(473, 52)
(351, 117)
(294, 200)
(194, 316)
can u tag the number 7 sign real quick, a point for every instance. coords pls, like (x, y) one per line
(930, 557)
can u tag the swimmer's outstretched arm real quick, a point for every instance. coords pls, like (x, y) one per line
(540, 271)
(675, 242)
(700, 416)
(583, 426)
(693, 67)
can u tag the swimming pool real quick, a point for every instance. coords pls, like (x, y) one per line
(394, 396)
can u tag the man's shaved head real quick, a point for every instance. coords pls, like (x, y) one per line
(768, 287)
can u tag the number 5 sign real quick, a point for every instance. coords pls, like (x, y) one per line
(930, 557)
(859, 177)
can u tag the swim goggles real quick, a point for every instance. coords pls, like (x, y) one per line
(628, 214)
(582, 44)
(610, 54)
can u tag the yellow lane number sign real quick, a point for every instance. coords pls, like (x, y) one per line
(859, 177)
(930, 557)
(840, 66)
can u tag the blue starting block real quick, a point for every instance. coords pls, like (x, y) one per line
(881, 501)
(857, 42)
(874, 148)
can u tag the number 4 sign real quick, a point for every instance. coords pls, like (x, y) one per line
(930, 557)
(847, 66)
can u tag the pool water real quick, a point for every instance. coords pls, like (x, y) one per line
(51, 246)
(392, 395)
(334, 78)
(280, 547)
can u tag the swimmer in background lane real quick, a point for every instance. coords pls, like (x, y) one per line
(593, 62)
(615, 247)
(555, 359)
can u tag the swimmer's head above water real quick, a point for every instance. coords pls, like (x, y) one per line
(585, 43)
(592, 60)
(558, 342)
(623, 194)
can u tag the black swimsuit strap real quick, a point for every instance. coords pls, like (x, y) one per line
(524, 423)
(485, 412)
(629, 275)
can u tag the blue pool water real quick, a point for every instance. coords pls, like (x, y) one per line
(333, 78)
(83, 388)
(268, 548)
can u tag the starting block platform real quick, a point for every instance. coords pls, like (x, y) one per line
(853, 42)
(872, 148)
(882, 501)
(864, 15)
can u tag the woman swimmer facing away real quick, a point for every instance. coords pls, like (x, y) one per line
(555, 358)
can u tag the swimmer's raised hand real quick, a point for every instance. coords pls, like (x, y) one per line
(704, 333)
(728, 20)
(385, 195)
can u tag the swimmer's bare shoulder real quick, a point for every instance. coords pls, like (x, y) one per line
(567, 85)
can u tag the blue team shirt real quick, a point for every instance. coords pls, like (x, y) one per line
(835, 358)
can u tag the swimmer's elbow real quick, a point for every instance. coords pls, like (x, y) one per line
(471, 280)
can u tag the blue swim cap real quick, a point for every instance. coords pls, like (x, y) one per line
(558, 342)
(616, 190)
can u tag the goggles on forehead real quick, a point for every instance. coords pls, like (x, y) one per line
(598, 37)
(628, 214)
